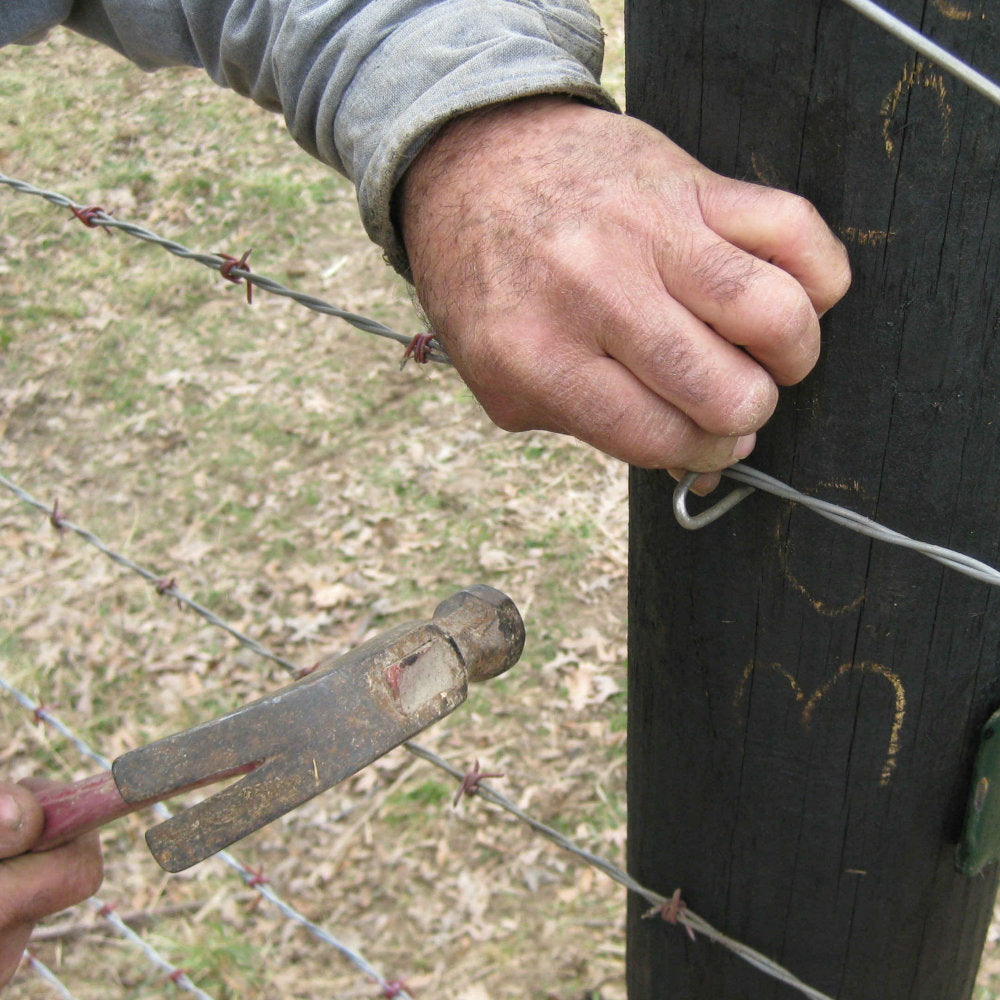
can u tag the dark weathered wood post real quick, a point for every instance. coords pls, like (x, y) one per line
(803, 701)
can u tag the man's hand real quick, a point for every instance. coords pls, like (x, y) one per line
(588, 276)
(35, 885)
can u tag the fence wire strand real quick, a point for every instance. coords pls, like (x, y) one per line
(684, 916)
(44, 972)
(753, 480)
(176, 975)
(164, 585)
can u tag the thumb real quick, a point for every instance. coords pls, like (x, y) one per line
(21, 820)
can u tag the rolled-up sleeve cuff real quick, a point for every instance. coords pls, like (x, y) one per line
(463, 55)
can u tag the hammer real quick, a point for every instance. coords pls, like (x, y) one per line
(302, 739)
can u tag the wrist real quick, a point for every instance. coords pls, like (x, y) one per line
(458, 156)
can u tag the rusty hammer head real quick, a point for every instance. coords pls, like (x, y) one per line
(300, 740)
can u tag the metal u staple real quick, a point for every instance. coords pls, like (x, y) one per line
(694, 521)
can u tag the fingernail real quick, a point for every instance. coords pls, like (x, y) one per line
(10, 813)
(744, 446)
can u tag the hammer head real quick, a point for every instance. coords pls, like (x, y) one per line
(305, 737)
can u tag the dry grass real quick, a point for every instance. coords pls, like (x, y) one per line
(283, 469)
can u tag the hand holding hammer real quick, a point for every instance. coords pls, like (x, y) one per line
(295, 743)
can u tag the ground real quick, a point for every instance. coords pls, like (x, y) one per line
(286, 473)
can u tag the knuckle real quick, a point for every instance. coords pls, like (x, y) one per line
(678, 443)
(800, 215)
(840, 279)
(792, 331)
(671, 355)
(793, 319)
(701, 452)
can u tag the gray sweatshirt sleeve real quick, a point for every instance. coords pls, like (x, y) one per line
(363, 84)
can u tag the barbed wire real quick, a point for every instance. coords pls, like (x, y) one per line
(671, 908)
(922, 44)
(164, 585)
(175, 974)
(231, 268)
(249, 876)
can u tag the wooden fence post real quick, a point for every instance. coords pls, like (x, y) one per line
(803, 701)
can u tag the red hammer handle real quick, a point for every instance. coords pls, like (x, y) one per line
(74, 809)
(92, 802)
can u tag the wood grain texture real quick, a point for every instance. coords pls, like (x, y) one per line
(804, 702)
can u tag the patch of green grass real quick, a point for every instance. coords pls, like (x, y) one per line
(278, 549)
(238, 513)
(219, 602)
(428, 793)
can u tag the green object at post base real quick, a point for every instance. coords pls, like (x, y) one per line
(980, 843)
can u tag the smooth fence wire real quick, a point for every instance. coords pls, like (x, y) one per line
(681, 915)
(756, 480)
(922, 44)
(249, 876)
